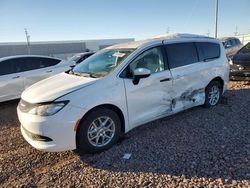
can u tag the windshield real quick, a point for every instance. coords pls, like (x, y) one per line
(245, 49)
(75, 58)
(102, 63)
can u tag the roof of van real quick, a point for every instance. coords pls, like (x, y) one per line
(19, 56)
(139, 43)
(227, 38)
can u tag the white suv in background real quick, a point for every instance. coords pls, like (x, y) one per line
(120, 88)
(19, 72)
(232, 45)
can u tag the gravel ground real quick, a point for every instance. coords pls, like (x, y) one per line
(196, 148)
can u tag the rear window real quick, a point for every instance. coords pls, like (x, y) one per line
(208, 50)
(181, 54)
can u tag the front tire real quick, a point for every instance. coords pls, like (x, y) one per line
(213, 94)
(98, 131)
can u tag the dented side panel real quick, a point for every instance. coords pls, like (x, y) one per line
(189, 84)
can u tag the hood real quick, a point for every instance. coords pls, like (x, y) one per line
(242, 59)
(51, 88)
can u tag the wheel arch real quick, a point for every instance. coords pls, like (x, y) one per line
(112, 107)
(219, 79)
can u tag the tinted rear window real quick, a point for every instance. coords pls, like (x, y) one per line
(11, 66)
(181, 54)
(208, 50)
(6, 67)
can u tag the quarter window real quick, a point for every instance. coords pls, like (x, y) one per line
(208, 51)
(181, 54)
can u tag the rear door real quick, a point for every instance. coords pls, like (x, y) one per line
(11, 79)
(151, 98)
(187, 72)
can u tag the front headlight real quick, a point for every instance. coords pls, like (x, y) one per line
(43, 109)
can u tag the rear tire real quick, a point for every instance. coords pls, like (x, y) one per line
(98, 131)
(213, 94)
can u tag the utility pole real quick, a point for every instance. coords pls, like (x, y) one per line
(168, 30)
(236, 31)
(216, 18)
(28, 39)
(208, 33)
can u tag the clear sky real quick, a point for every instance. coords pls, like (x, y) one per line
(49, 20)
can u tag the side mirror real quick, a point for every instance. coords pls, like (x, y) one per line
(140, 73)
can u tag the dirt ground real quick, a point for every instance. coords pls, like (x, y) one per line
(198, 147)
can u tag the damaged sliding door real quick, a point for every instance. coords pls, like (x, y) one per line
(187, 72)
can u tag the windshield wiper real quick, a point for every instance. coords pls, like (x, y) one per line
(85, 74)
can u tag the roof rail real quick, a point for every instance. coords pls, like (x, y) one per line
(180, 35)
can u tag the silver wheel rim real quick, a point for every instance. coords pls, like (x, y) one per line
(101, 131)
(214, 95)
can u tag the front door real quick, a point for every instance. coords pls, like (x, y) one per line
(151, 97)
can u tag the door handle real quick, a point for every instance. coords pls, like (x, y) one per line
(165, 80)
(15, 77)
(49, 71)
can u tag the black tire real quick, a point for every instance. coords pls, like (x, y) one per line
(82, 136)
(211, 85)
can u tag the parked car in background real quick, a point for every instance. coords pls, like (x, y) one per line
(120, 88)
(78, 58)
(19, 72)
(240, 64)
(232, 45)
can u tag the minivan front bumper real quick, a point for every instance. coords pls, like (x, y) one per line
(50, 133)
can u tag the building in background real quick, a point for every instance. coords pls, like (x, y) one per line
(60, 49)
(244, 38)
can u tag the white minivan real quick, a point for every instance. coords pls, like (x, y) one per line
(19, 72)
(120, 88)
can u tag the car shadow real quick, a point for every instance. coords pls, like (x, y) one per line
(212, 143)
(7, 108)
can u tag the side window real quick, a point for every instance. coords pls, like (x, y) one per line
(10, 66)
(233, 42)
(228, 44)
(33, 63)
(151, 59)
(6, 67)
(47, 62)
(208, 50)
(181, 54)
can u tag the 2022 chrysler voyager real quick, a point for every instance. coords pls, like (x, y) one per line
(120, 88)
(19, 72)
